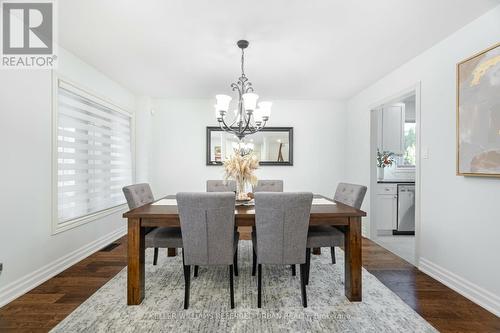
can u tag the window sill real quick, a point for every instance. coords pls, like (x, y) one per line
(61, 227)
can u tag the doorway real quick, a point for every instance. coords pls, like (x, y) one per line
(395, 174)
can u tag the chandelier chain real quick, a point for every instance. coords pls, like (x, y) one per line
(243, 62)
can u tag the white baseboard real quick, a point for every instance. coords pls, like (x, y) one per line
(476, 294)
(21, 286)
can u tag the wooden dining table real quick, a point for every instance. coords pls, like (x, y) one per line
(345, 218)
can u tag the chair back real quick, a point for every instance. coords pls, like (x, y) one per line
(282, 221)
(268, 186)
(350, 194)
(207, 226)
(221, 186)
(138, 195)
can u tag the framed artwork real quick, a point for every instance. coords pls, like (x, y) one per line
(478, 114)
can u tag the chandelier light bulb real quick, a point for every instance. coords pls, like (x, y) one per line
(250, 101)
(265, 109)
(223, 102)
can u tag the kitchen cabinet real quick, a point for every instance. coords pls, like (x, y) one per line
(386, 210)
(393, 119)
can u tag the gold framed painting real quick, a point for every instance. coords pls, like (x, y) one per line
(478, 114)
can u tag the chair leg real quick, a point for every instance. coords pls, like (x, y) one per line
(235, 262)
(293, 270)
(259, 286)
(254, 262)
(187, 282)
(231, 285)
(308, 265)
(303, 284)
(196, 270)
(332, 251)
(155, 258)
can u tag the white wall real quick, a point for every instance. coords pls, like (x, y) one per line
(143, 139)
(179, 145)
(460, 223)
(28, 251)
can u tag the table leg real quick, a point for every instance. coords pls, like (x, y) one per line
(316, 251)
(171, 252)
(353, 260)
(136, 267)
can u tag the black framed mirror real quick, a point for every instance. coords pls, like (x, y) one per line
(272, 145)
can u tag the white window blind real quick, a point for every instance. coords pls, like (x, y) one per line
(94, 159)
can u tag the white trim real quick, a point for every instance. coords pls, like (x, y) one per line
(60, 227)
(371, 229)
(89, 93)
(26, 283)
(80, 91)
(59, 81)
(418, 171)
(473, 292)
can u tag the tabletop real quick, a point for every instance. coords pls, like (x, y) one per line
(245, 215)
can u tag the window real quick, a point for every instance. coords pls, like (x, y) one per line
(407, 160)
(94, 159)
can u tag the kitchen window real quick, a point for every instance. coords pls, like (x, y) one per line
(93, 153)
(407, 159)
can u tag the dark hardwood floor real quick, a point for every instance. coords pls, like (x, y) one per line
(45, 306)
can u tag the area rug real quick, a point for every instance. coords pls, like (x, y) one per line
(162, 309)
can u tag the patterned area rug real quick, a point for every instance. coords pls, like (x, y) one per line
(162, 309)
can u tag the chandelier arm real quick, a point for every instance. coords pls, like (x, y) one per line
(236, 87)
(249, 87)
(228, 129)
(222, 126)
(234, 121)
(256, 129)
(248, 123)
(263, 125)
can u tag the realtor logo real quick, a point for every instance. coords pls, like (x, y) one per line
(28, 34)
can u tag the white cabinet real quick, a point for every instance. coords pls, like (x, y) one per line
(393, 119)
(386, 201)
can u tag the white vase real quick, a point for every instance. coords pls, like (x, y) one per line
(380, 173)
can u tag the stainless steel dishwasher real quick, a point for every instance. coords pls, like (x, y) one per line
(406, 210)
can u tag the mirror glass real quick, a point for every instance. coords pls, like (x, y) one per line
(272, 146)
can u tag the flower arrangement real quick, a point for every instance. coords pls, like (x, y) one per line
(241, 167)
(384, 159)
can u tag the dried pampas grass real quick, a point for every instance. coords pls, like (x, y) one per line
(241, 169)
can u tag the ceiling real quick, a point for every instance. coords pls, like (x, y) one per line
(318, 49)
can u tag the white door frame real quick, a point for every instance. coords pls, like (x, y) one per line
(418, 167)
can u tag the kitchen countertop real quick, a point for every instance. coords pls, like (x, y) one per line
(392, 181)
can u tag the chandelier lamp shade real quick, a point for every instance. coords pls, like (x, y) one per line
(250, 116)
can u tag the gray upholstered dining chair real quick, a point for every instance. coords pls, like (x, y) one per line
(221, 186)
(327, 236)
(208, 236)
(268, 186)
(282, 221)
(162, 237)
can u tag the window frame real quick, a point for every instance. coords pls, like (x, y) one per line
(410, 168)
(57, 227)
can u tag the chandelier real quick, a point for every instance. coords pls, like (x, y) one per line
(247, 118)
